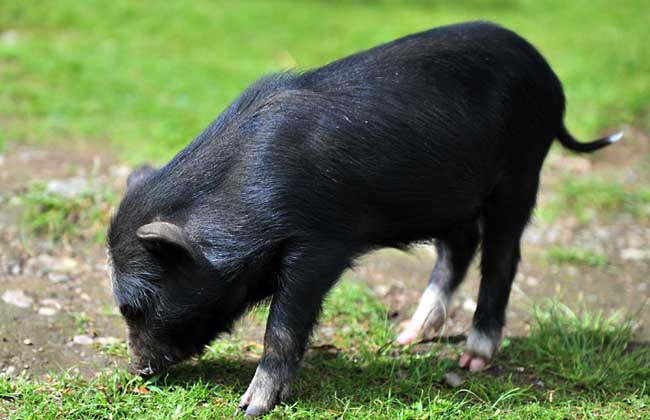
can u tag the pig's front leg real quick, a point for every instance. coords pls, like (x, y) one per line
(303, 283)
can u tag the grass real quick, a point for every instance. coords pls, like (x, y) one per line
(145, 80)
(576, 256)
(148, 79)
(58, 217)
(571, 366)
(586, 199)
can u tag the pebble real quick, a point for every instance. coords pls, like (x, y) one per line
(27, 342)
(532, 281)
(635, 254)
(56, 264)
(17, 297)
(51, 302)
(469, 305)
(105, 341)
(83, 339)
(47, 311)
(381, 290)
(120, 171)
(68, 188)
(58, 277)
(453, 379)
(15, 270)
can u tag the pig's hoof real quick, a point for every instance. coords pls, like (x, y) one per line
(480, 349)
(263, 393)
(471, 362)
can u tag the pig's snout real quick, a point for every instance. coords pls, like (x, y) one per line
(145, 372)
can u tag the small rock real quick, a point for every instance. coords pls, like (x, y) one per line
(47, 311)
(105, 341)
(453, 379)
(58, 264)
(58, 277)
(17, 297)
(120, 171)
(27, 342)
(64, 265)
(15, 270)
(67, 188)
(85, 297)
(83, 339)
(469, 305)
(10, 370)
(381, 290)
(635, 254)
(532, 281)
(51, 302)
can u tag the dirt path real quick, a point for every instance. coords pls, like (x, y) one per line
(57, 311)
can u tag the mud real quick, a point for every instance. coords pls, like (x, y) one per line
(70, 323)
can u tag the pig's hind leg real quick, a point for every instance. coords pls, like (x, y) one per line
(455, 253)
(306, 274)
(505, 216)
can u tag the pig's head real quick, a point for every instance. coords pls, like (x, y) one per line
(173, 299)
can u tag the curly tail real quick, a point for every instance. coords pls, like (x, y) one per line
(571, 143)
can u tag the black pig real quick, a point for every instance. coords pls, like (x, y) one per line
(437, 135)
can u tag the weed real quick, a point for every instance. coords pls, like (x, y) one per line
(82, 216)
(586, 199)
(576, 256)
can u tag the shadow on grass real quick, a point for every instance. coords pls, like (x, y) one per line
(519, 375)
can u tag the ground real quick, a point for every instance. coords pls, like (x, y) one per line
(57, 297)
(91, 89)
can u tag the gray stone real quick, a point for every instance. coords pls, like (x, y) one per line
(105, 341)
(67, 188)
(83, 339)
(453, 379)
(47, 311)
(17, 297)
(51, 302)
(635, 254)
(58, 277)
(469, 305)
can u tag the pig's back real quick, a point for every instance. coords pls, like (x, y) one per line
(416, 132)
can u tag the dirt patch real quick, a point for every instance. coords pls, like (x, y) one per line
(58, 313)
(64, 285)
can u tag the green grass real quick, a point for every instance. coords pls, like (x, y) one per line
(570, 366)
(576, 256)
(145, 79)
(588, 198)
(148, 78)
(62, 218)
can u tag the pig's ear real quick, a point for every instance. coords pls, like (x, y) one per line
(139, 174)
(167, 240)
